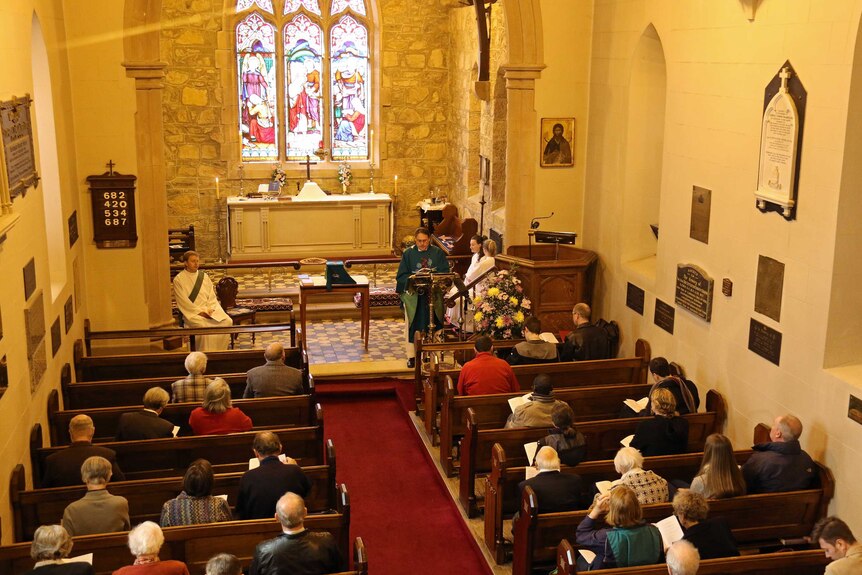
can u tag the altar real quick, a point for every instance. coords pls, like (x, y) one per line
(290, 227)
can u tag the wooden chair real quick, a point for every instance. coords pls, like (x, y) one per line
(226, 290)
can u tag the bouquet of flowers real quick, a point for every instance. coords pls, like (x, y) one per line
(500, 310)
(279, 175)
(344, 175)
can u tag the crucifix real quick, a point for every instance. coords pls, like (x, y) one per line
(307, 163)
(483, 28)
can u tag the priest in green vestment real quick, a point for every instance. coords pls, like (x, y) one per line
(418, 257)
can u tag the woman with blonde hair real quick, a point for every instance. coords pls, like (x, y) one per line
(628, 542)
(719, 475)
(218, 416)
(665, 433)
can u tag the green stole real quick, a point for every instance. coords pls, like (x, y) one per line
(197, 287)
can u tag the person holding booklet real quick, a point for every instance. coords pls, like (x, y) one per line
(196, 503)
(666, 433)
(647, 486)
(262, 486)
(536, 411)
(50, 548)
(534, 348)
(712, 537)
(555, 491)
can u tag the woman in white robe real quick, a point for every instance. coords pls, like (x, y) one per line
(478, 266)
(205, 310)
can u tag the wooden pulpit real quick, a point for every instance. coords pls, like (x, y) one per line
(555, 278)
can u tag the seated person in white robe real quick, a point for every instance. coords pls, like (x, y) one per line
(197, 301)
(476, 269)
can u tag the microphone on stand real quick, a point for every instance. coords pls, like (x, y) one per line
(534, 223)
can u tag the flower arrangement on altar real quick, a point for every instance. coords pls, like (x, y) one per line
(500, 310)
(344, 176)
(279, 176)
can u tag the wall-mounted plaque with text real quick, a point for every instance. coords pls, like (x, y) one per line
(113, 200)
(694, 291)
(18, 163)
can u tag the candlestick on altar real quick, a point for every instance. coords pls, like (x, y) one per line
(371, 147)
(395, 187)
(218, 194)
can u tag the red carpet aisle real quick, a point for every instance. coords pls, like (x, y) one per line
(399, 505)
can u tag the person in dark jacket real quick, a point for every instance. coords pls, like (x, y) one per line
(781, 464)
(260, 488)
(684, 391)
(712, 537)
(569, 443)
(665, 433)
(533, 349)
(146, 423)
(296, 551)
(586, 341)
(63, 468)
(51, 546)
(555, 491)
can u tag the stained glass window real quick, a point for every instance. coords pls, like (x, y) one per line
(255, 40)
(349, 44)
(339, 6)
(291, 6)
(265, 5)
(303, 55)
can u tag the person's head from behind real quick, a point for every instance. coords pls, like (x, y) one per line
(146, 539)
(833, 536)
(581, 313)
(81, 428)
(722, 475)
(274, 352)
(224, 564)
(156, 399)
(542, 385)
(96, 472)
(690, 507)
(198, 480)
(489, 248)
(483, 343)
(547, 459)
(563, 416)
(682, 558)
(50, 542)
(196, 363)
(290, 511)
(785, 428)
(628, 458)
(624, 510)
(659, 368)
(662, 402)
(217, 396)
(192, 260)
(532, 327)
(266, 444)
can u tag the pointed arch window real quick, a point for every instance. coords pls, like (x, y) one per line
(303, 74)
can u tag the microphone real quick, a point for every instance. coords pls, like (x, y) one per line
(534, 223)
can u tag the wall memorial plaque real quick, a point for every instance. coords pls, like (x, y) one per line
(635, 298)
(16, 152)
(73, 228)
(29, 279)
(69, 314)
(764, 341)
(701, 206)
(4, 376)
(56, 337)
(694, 291)
(113, 200)
(664, 316)
(34, 325)
(854, 410)
(770, 285)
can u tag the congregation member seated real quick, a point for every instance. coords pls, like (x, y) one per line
(217, 416)
(627, 541)
(195, 503)
(682, 558)
(569, 443)
(50, 548)
(684, 391)
(197, 301)
(719, 476)
(665, 433)
(534, 349)
(555, 491)
(647, 486)
(145, 540)
(450, 226)
(586, 341)
(260, 488)
(98, 511)
(296, 550)
(273, 378)
(63, 468)
(191, 388)
(712, 537)
(146, 423)
(485, 373)
(835, 537)
(780, 464)
(537, 411)
(224, 564)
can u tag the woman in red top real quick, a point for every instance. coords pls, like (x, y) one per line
(145, 540)
(217, 417)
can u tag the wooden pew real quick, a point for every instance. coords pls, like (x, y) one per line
(755, 520)
(589, 404)
(603, 441)
(35, 507)
(806, 562)
(502, 496)
(620, 371)
(290, 411)
(192, 544)
(172, 363)
(152, 458)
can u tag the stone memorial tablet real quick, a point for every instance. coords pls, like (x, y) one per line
(701, 205)
(635, 298)
(769, 289)
(56, 337)
(17, 150)
(854, 410)
(69, 314)
(73, 228)
(664, 316)
(29, 279)
(694, 291)
(764, 341)
(4, 376)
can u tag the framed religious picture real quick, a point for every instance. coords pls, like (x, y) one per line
(557, 145)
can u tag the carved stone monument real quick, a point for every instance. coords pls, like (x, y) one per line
(701, 206)
(770, 287)
(694, 290)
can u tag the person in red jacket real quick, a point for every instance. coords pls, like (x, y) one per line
(486, 373)
(217, 416)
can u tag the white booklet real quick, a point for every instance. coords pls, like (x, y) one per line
(254, 462)
(670, 529)
(588, 555)
(531, 472)
(516, 402)
(605, 487)
(548, 337)
(222, 496)
(626, 441)
(637, 405)
(88, 558)
(175, 430)
(531, 449)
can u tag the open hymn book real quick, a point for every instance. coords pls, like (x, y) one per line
(637, 405)
(516, 402)
(88, 558)
(669, 527)
(254, 462)
(531, 449)
(549, 337)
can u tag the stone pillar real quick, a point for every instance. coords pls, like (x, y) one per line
(152, 199)
(521, 150)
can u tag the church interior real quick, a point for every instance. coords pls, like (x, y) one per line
(663, 104)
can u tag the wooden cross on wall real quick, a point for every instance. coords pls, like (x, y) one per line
(483, 27)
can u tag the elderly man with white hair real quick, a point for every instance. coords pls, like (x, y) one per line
(50, 548)
(98, 511)
(63, 468)
(555, 491)
(780, 464)
(145, 540)
(192, 387)
(296, 551)
(682, 558)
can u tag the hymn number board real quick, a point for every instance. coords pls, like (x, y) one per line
(113, 197)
